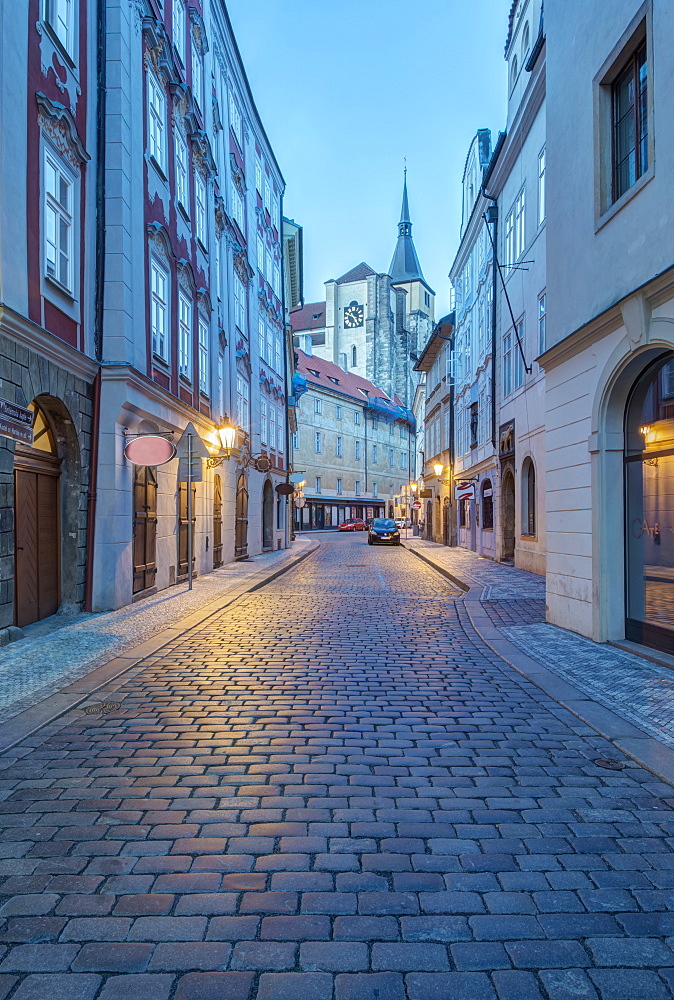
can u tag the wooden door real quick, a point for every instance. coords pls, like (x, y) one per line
(267, 516)
(182, 527)
(241, 524)
(37, 543)
(144, 528)
(217, 521)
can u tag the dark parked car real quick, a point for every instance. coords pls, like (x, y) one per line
(384, 531)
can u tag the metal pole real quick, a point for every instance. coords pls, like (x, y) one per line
(189, 511)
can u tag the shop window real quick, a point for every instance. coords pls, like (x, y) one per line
(487, 505)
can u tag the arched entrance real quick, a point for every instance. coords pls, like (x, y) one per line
(649, 520)
(508, 516)
(37, 474)
(268, 516)
(241, 519)
(217, 521)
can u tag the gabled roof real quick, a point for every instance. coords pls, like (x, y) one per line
(405, 264)
(356, 273)
(310, 317)
(347, 383)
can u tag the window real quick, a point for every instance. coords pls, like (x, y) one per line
(427, 299)
(338, 412)
(513, 73)
(235, 120)
(668, 379)
(243, 402)
(318, 405)
(356, 416)
(630, 123)
(197, 76)
(519, 225)
(541, 187)
(518, 362)
(59, 16)
(272, 426)
(263, 421)
(237, 206)
(179, 28)
(462, 513)
(184, 335)
(200, 208)
(267, 265)
(258, 176)
(509, 238)
(296, 440)
(375, 489)
(528, 498)
(277, 281)
(270, 344)
(525, 42)
(343, 361)
(375, 423)
(339, 451)
(507, 364)
(487, 505)
(182, 175)
(318, 444)
(357, 451)
(260, 254)
(156, 119)
(58, 222)
(403, 460)
(263, 339)
(318, 484)
(541, 323)
(239, 304)
(159, 283)
(356, 487)
(339, 487)
(354, 356)
(278, 351)
(391, 458)
(276, 214)
(203, 357)
(375, 453)
(267, 195)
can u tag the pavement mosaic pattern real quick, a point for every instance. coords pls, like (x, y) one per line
(66, 647)
(333, 791)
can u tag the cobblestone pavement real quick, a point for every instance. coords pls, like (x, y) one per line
(333, 791)
(66, 647)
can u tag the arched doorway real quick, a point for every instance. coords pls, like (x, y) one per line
(144, 528)
(649, 492)
(445, 521)
(241, 519)
(508, 516)
(429, 520)
(37, 532)
(217, 521)
(268, 516)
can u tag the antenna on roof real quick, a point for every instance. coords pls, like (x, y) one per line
(405, 164)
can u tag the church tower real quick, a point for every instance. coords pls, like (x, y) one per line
(405, 270)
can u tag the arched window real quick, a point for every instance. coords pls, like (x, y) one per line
(487, 505)
(525, 42)
(528, 497)
(513, 73)
(354, 356)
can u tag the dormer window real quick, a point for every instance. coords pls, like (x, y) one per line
(333, 379)
(314, 372)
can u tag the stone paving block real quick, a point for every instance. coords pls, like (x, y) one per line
(263, 955)
(295, 986)
(563, 984)
(333, 956)
(474, 956)
(144, 986)
(268, 902)
(31, 930)
(215, 986)
(183, 956)
(172, 928)
(449, 986)
(641, 952)
(60, 986)
(370, 986)
(30, 904)
(39, 958)
(296, 928)
(7, 983)
(142, 904)
(96, 929)
(118, 957)
(548, 954)
(365, 929)
(512, 985)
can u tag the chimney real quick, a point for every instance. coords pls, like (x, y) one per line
(305, 343)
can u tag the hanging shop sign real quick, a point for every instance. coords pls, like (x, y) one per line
(464, 491)
(285, 489)
(150, 449)
(297, 477)
(426, 494)
(16, 422)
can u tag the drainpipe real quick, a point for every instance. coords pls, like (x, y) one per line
(494, 275)
(91, 498)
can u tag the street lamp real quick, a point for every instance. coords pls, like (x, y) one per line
(438, 469)
(227, 435)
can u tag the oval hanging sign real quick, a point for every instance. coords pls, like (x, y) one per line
(285, 489)
(150, 449)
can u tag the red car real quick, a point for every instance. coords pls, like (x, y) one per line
(354, 524)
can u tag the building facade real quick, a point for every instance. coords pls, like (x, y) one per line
(437, 466)
(354, 445)
(610, 348)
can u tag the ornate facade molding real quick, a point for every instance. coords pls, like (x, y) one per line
(57, 122)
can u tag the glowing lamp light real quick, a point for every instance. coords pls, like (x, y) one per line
(227, 434)
(414, 487)
(438, 469)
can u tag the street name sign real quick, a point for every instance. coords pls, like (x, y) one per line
(16, 422)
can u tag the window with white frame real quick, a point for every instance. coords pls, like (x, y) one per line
(276, 214)
(237, 206)
(258, 176)
(203, 357)
(270, 344)
(318, 484)
(507, 363)
(239, 303)
(338, 413)
(318, 405)
(403, 459)
(235, 119)
(184, 336)
(182, 172)
(375, 454)
(318, 443)
(356, 416)
(356, 487)
(519, 225)
(197, 76)
(159, 305)
(541, 186)
(60, 16)
(509, 238)
(391, 458)
(339, 487)
(541, 322)
(260, 254)
(263, 339)
(272, 426)
(296, 440)
(156, 120)
(277, 281)
(375, 489)
(179, 28)
(518, 347)
(200, 208)
(263, 421)
(278, 351)
(339, 451)
(58, 221)
(242, 401)
(357, 450)
(267, 195)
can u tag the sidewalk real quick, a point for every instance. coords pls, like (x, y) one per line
(59, 653)
(623, 696)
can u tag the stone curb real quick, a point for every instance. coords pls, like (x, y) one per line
(28, 722)
(627, 738)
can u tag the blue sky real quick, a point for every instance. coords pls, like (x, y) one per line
(346, 89)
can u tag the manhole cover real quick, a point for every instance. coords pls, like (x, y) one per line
(102, 708)
(610, 765)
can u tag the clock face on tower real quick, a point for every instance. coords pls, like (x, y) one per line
(353, 315)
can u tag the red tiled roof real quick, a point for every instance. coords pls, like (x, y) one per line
(347, 382)
(310, 317)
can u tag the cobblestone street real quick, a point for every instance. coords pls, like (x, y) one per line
(333, 790)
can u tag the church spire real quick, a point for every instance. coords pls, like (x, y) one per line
(405, 263)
